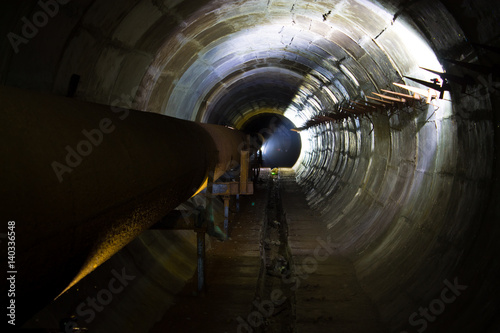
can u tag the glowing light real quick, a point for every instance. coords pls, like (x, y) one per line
(349, 74)
(331, 95)
(264, 148)
(418, 49)
(305, 139)
(202, 187)
(294, 117)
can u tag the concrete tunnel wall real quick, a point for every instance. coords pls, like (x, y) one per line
(410, 198)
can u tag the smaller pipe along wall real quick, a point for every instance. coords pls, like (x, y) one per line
(82, 180)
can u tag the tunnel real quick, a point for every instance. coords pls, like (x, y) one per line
(279, 145)
(409, 194)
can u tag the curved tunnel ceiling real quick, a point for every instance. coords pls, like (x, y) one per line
(409, 198)
(333, 47)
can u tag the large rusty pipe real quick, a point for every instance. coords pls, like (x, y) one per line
(81, 180)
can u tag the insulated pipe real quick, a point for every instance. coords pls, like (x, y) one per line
(82, 180)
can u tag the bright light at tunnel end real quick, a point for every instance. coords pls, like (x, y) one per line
(305, 136)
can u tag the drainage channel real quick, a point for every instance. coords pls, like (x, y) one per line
(274, 305)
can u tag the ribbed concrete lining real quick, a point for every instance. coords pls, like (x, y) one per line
(406, 197)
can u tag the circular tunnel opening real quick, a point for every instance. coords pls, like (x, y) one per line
(281, 146)
(406, 195)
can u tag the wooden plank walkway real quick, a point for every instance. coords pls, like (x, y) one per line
(232, 273)
(325, 294)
